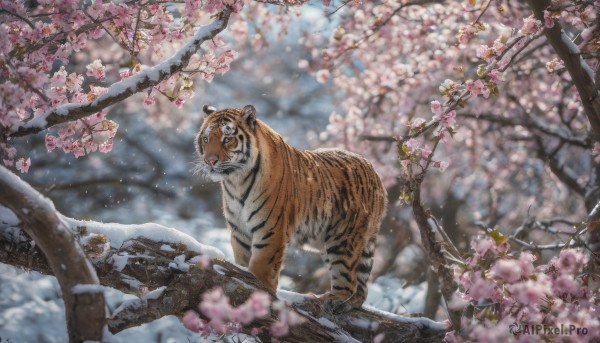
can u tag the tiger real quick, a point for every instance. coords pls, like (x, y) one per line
(275, 195)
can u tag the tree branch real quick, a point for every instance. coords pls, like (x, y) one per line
(562, 171)
(565, 135)
(532, 246)
(373, 138)
(123, 89)
(137, 258)
(582, 75)
(436, 257)
(84, 311)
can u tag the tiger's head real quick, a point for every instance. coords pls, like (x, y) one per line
(224, 143)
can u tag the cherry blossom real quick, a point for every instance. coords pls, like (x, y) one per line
(226, 319)
(517, 292)
(23, 164)
(96, 70)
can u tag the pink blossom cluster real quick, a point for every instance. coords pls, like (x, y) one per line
(213, 6)
(469, 31)
(531, 25)
(38, 42)
(504, 288)
(272, 21)
(285, 319)
(10, 153)
(93, 133)
(224, 319)
(415, 153)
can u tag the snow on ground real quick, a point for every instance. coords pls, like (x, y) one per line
(388, 294)
(32, 310)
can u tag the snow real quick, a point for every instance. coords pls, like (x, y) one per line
(340, 335)
(8, 218)
(87, 288)
(167, 329)
(421, 322)
(179, 263)
(388, 294)
(195, 259)
(154, 294)
(119, 261)
(32, 299)
(131, 281)
(292, 297)
(118, 234)
(327, 323)
(365, 324)
(220, 269)
(166, 247)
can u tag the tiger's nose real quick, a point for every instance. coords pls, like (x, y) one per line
(211, 159)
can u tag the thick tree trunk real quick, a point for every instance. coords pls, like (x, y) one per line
(582, 75)
(586, 82)
(84, 310)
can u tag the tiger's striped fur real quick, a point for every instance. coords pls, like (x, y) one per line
(275, 195)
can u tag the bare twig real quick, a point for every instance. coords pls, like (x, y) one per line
(374, 138)
(530, 246)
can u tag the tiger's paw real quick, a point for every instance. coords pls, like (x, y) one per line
(337, 306)
(334, 304)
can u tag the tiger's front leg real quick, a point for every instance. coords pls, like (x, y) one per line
(240, 245)
(267, 254)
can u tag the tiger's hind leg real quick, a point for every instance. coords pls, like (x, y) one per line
(350, 264)
(363, 271)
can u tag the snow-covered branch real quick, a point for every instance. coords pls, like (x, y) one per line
(123, 89)
(168, 271)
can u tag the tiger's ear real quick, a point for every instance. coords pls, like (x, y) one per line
(250, 116)
(208, 110)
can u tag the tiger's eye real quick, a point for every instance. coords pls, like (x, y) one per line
(226, 139)
(205, 139)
